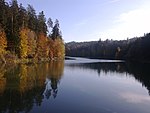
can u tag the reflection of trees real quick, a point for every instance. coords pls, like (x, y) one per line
(102, 67)
(22, 89)
(2, 79)
(22, 86)
(140, 72)
(53, 76)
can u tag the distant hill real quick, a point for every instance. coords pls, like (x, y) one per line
(135, 49)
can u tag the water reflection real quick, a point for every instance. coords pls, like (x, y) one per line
(141, 72)
(55, 72)
(135, 98)
(24, 86)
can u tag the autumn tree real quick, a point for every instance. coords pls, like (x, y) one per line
(26, 33)
(23, 45)
(3, 41)
(32, 44)
(42, 46)
(51, 47)
(59, 51)
(3, 44)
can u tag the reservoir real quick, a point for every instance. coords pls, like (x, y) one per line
(78, 85)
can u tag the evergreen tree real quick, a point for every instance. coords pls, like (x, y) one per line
(50, 23)
(23, 17)
(55, 31)
(14, 34)
(3, 13)
(24, 33)
(42, 27)
(32, 18)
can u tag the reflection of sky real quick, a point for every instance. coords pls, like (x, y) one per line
(113, 91)
(84, 90)
(78, 60)
(132, 97)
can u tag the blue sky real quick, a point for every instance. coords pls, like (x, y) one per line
(87, 20)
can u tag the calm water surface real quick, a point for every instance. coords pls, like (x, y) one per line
(75, 86)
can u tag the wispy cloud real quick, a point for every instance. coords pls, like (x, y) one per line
(81, 23)
(113, 1)
(130, 24)
(135, 98)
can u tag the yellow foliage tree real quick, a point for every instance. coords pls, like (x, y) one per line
(32, 44)
(23, 45)
(3, 42)
(59, 46)
(51, 48)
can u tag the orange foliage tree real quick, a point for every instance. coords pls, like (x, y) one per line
(56, 48)
(42, 46)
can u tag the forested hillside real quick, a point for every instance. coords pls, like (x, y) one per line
(24, 34)
(135, 49)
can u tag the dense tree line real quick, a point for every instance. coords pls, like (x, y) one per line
(135, 49)
(24, 34)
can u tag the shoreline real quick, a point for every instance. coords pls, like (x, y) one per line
(29, 60)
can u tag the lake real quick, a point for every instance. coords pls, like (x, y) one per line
(75, 86)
